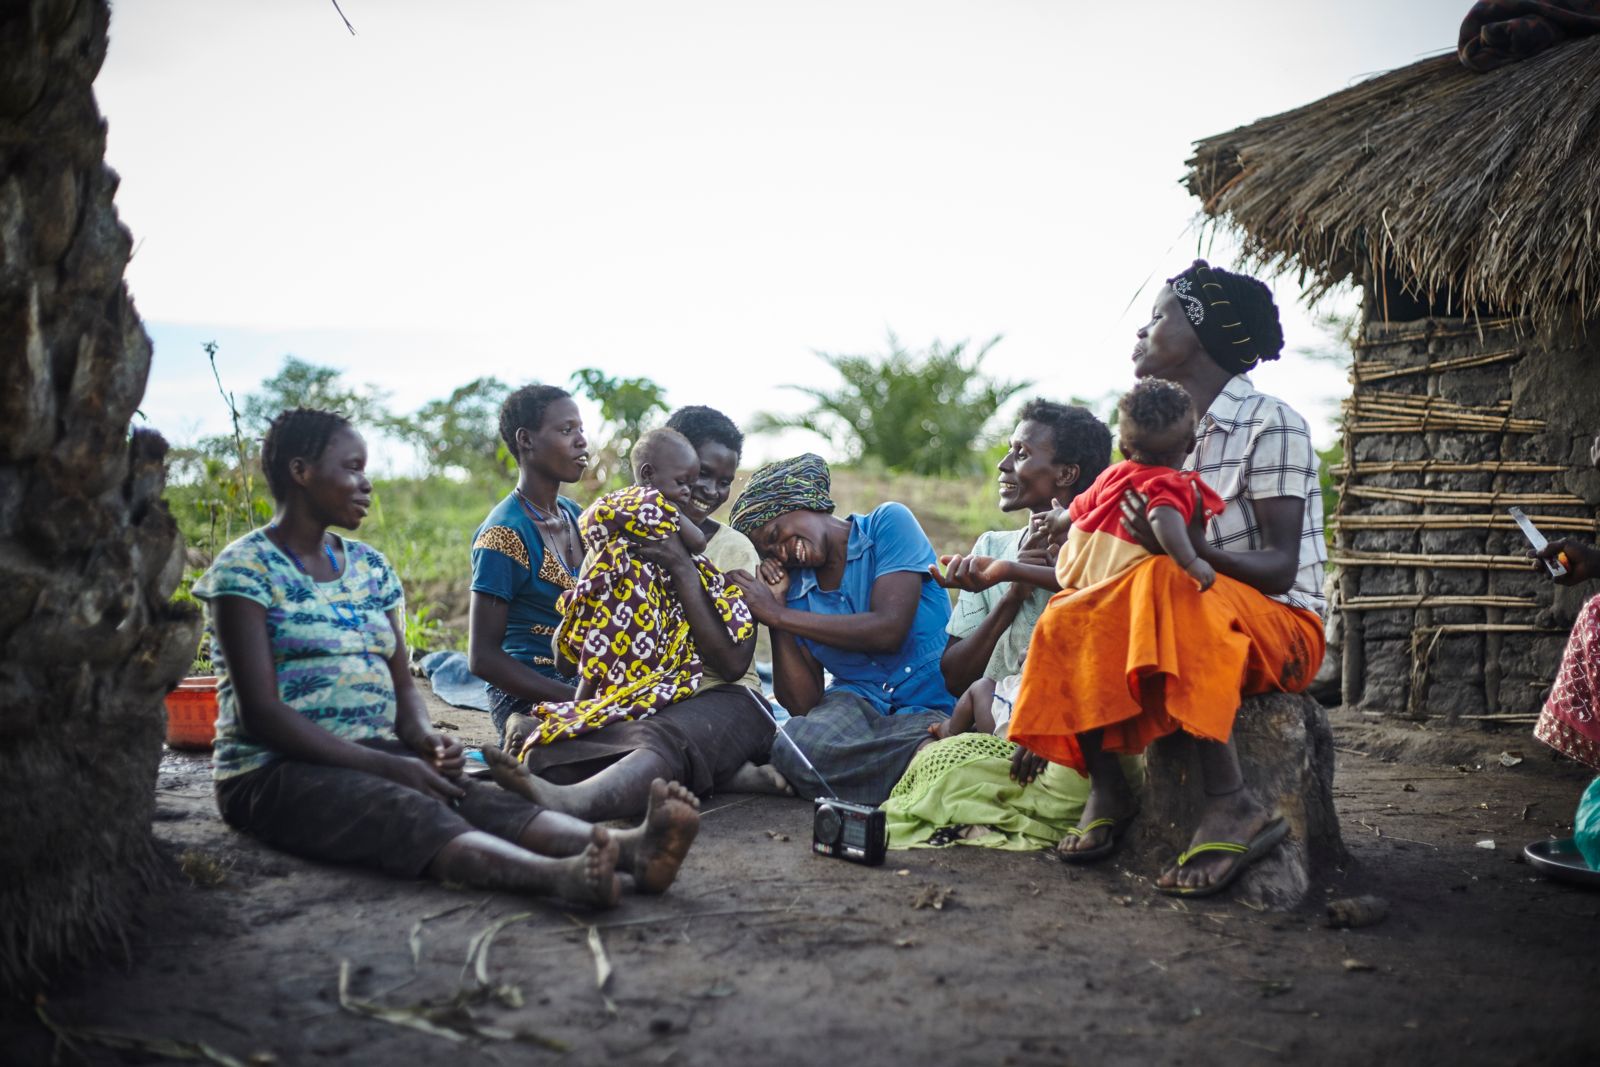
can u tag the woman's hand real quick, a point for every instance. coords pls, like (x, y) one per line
(1137, 522)
(762, 598)
(443, 752)
(1582, 561)
(972, 574)
(772, 572)
(416, 774)
(1026, 765)
(669, 554)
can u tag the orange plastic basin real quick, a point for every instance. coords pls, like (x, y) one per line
(192, 712)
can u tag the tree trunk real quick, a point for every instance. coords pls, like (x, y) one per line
(89, 554)
(1286, 750)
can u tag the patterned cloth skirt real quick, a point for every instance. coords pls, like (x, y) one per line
(850, 749)
(1570, 722)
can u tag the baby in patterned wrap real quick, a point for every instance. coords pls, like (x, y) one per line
(623, 625)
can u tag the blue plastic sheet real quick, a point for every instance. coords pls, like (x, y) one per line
(452, 682)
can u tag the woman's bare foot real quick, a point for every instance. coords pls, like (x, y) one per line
(1236, 817)
(519, 727)
(654, 850)
(591, 876)
(509, 774)
(1109, 798)
(763, 779)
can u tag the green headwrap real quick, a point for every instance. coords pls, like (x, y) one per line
(798, 484)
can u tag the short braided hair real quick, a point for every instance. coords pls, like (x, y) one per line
(701, 424)
(1076, 436)
(525, 407)
(300, 433)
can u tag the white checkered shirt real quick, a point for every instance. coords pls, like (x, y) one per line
(1251, 446)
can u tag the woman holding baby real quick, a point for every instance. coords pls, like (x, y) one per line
(529, 551)
(1145, 653)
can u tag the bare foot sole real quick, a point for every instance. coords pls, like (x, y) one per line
(762, 779)
(509, 774)
(591, 876)
(669, 828)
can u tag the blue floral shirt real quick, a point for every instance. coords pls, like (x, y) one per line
(884, 542)
(331, 642)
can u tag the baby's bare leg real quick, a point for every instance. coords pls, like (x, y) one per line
(982, 706)
(976, 701)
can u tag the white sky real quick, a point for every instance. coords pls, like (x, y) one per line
(700, 191)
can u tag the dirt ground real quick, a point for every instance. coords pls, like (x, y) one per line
(766, 954)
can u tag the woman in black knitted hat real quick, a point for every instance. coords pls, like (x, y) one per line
(1142, 654)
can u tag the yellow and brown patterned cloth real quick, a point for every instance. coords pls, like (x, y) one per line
(623, 624)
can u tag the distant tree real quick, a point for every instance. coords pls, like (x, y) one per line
(459, 434)
(299, 384)
(923, 412)
(626, 407)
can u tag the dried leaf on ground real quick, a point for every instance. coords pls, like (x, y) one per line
(450, 1019)
(602, 968)
(933, 896)
(165, 1047)
(414, 939)
(1357, 965)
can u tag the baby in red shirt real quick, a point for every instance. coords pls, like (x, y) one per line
(1156, 422)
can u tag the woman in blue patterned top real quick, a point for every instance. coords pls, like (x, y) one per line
(323, 746)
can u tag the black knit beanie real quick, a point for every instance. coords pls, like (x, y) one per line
(1232, 313)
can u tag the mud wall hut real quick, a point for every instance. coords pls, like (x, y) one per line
(1466, 208)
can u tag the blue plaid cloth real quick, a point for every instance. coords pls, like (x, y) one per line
(860, 752)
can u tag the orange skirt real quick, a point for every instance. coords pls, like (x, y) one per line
(1092, 648)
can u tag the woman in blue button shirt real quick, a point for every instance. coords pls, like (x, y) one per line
(853, 597)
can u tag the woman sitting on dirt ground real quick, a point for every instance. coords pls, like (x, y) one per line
(526, 553)
(1570, 721)
(852, 596)
(1120, 663)
(963, 789)
(323, 747)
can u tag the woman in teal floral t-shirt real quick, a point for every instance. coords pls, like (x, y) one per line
(323, 746)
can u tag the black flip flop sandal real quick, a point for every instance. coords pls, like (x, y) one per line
(1264, 842)
(1105, 848)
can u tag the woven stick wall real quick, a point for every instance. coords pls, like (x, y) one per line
(1440, 615)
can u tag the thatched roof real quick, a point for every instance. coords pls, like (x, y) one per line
(1483, 188)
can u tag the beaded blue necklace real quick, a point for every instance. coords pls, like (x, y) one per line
(333, 561)
(343, 613)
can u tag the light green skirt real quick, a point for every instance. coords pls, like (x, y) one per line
(965, 782)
